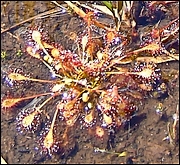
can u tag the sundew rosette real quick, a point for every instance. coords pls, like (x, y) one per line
(92, 87)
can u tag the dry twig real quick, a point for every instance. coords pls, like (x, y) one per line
(29, 19)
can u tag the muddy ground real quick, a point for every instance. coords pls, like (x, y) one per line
(143, 142)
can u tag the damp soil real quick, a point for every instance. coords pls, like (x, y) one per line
(142, 137)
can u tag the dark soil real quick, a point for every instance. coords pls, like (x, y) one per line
(143, 135)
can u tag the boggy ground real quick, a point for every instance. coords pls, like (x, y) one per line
(142, 137)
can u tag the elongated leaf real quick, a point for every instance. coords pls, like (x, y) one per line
(104, 9)
(108, 4)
